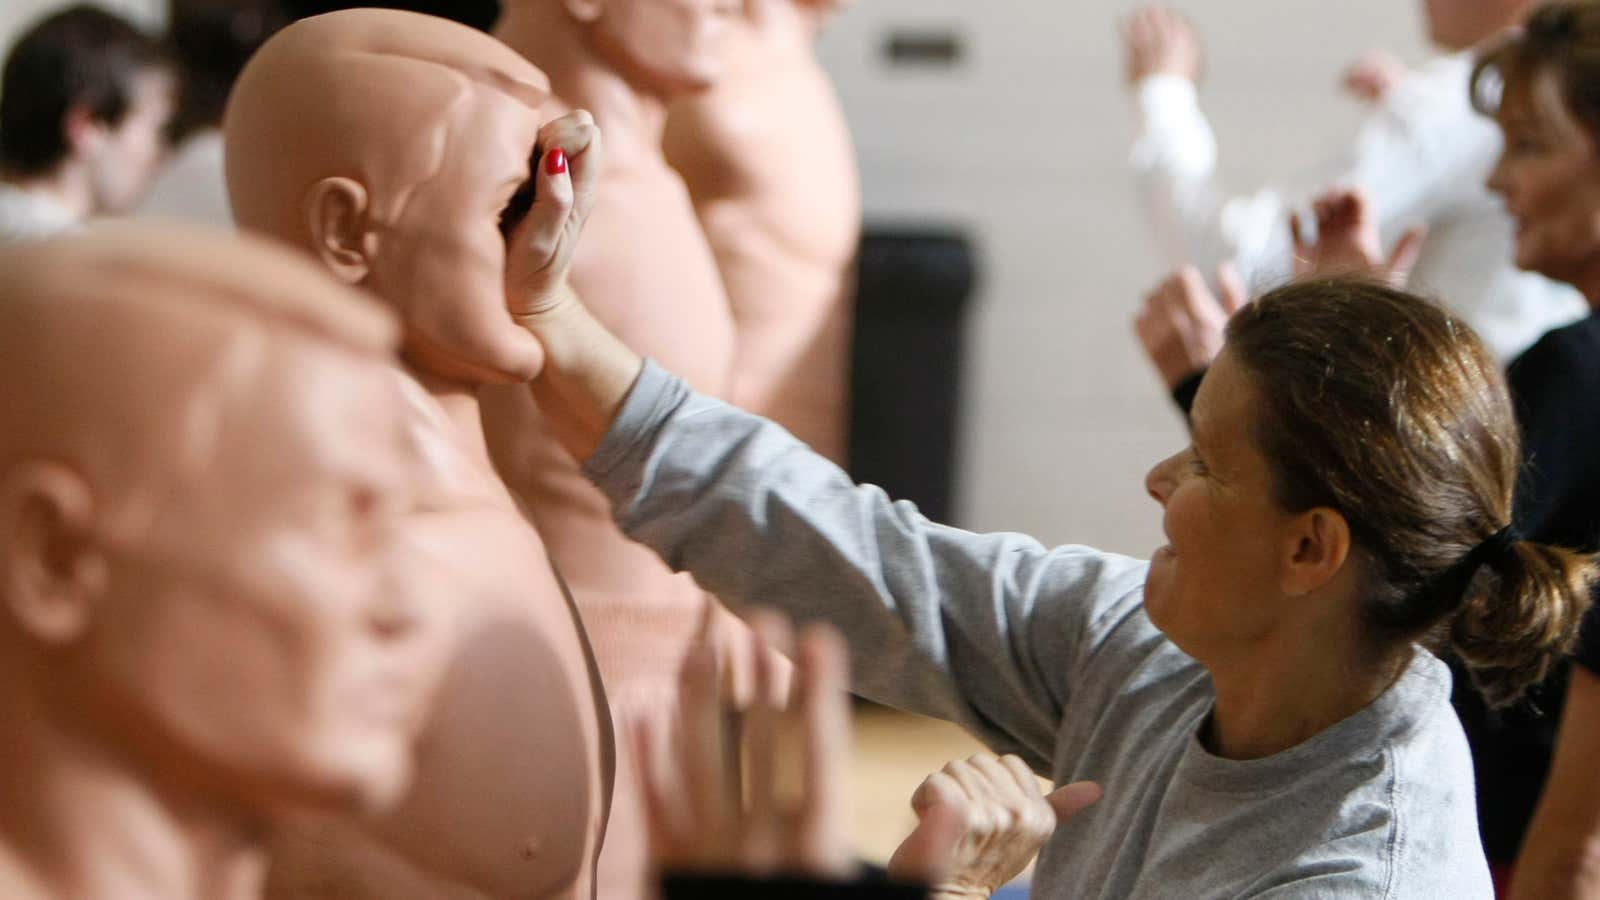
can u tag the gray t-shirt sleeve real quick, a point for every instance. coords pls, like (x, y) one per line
(987, 630)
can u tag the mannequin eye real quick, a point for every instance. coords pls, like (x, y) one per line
(522, 201)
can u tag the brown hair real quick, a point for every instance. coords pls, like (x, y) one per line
(1562, 37)
(82, 56)
(1382, 406)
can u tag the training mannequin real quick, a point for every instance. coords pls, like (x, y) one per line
(386, 144)
(213, 614)
(767, 156)
(645, 269)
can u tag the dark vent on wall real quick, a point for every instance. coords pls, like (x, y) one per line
(934, 48)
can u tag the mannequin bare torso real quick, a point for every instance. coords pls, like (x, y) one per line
(645, 270)
(427, 126)
(498, 791)
(767, 156)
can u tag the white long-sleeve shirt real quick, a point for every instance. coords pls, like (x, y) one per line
(32, 216)
(1423, 155)
(192, 187)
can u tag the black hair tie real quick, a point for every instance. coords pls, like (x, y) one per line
(1449, 589)
(1492, 551)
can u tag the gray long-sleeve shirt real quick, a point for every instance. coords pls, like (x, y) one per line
(1048, 653)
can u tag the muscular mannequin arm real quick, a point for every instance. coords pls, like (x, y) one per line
(1560, 856)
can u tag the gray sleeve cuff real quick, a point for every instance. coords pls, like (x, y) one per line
(656, 394)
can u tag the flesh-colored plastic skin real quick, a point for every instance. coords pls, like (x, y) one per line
(215, 607)
(385, 144)
(768, 159)
(646, 272)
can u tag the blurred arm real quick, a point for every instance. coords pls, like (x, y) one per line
(1560, 857)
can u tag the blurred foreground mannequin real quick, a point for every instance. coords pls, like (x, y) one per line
(768, 160)
(84, 102)
(212, 616)
(726, 829)
(387, 144)
(211, 40)
(646, 271)
(1422, 154)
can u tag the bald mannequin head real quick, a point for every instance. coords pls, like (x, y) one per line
(388, 144)
(200, 458)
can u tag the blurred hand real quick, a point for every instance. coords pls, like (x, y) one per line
(980, 822)
(540, 250)
(709, 817)
(1373, 76)
(1181, 326)
(1159, 41)
(1347, 241)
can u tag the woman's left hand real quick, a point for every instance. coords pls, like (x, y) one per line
(1000, 819)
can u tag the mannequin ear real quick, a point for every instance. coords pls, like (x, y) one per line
(585, 11)
(51, 572)
(338, 210)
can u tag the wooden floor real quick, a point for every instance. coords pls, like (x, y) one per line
(893, 753)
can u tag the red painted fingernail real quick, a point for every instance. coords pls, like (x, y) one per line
(555, 162)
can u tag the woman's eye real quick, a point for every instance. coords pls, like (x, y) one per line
(1196, 464)
(1526, 146)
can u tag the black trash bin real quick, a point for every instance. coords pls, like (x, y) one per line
(914, 290)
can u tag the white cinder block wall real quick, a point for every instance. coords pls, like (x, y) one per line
(1026, 143)
(16, 15)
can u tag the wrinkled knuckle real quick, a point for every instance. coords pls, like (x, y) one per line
(1002, 820)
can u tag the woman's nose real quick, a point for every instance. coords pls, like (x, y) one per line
(1498, 183)
(1159, 480)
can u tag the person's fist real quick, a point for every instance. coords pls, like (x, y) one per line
(980, 822)
(1347, 242)
(1159, 41)
(539, 250)
(1182, 323)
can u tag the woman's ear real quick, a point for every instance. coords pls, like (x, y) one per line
(338, 209)
(1318, 545)
(585, 11)
(51, 571)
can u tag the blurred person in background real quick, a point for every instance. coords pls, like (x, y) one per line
(85, 99)
(1541, 88)
(1422, 153)
(211, 41)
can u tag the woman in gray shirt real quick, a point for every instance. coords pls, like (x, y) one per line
(1257, 701)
